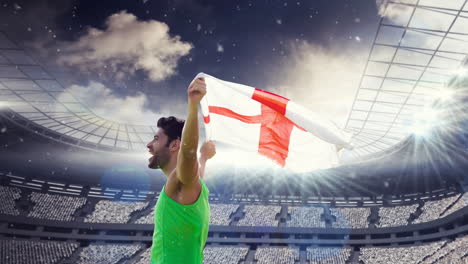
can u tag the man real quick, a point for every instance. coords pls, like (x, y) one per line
(182, 213)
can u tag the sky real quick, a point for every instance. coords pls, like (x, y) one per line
(131, 61)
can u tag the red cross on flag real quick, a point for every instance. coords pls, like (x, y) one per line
(271, 125)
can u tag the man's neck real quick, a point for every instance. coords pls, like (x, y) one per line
(170, 167)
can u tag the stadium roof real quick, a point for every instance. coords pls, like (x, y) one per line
(419, 46)
(413, 56)
(29, 90)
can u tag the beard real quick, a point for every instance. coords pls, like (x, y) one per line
(157, 161)
(154, 163)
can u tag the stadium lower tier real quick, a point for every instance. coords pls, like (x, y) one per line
(69, 206)
(57, 224)
(18, 251)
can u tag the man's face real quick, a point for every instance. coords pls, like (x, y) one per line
(159, 149)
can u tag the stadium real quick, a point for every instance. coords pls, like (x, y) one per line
(74, 187)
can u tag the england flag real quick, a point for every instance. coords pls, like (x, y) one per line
(268, 124)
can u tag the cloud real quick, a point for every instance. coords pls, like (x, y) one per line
(125, 46)
(104, 103)
(395, 12)
(323, 79)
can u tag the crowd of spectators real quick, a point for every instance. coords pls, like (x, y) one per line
(224, 254)
(455, 252)
(107, 211)
(336, 255)
(221, 213)
(398, 255)
(350, 217)
(144, 258)
(276, 255)
(65, 207)
(146, 219)
(38, 252)
(260, 215)
(54, 206)
(8, 195)
(302, 216)
(462, 202)
(395, 216)
(433, 209)
(107, 253)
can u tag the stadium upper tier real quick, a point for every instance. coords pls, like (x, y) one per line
(127, 207)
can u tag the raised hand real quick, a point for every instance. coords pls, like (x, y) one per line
(207, 150)
(196, 90)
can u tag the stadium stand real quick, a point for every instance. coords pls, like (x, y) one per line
(144, 257)
(39, 252)
(398, 255)
(226, 244)
(107, 254)
(146, 219)
(451, 252)
(433, 209)
(55, 207)
(350, 217)
(276, 255)
(462, 202)
(305, 216)
(328, 255)
(65, 207)
(260, 215)
(8, 195)
(395, 216)
(117, 214)
(224, 254)
(114, 211)
(220, 213)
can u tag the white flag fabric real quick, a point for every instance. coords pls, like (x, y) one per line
(271, 125)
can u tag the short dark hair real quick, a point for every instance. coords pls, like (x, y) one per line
(172, 127)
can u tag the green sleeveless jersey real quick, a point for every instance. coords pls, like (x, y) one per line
(180, 231)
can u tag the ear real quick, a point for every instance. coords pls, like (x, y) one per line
(175, 145)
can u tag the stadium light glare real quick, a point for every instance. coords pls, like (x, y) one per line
(424, 121)
(445, 93)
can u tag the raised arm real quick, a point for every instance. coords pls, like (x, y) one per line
(187, 162)
(207, 151)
